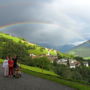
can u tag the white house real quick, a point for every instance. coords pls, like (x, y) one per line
(86, 64)
(72, 65)
(62, 61)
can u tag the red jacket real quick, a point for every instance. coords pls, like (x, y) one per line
(10, 63)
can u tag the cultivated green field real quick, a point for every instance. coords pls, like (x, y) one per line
(10, 37)
(87, 58)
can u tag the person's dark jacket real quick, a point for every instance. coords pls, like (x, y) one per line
(15, 62)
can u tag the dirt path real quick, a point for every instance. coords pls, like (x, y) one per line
(28, 82)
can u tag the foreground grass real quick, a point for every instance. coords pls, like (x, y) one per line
(53, 77)
(38, 70)
(1, 60)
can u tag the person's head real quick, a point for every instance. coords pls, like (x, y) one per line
(7, 58)
(15, 56)
(10, 58)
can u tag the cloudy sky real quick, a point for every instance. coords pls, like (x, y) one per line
(47, 22)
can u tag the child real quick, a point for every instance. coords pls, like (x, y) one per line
(17, 72)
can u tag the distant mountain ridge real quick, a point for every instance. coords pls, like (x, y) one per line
(63, 49)
(66, 48)
(82, 50)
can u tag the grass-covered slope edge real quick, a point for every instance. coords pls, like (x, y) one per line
(32, 48)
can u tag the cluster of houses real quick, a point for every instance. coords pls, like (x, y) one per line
(70, 62)
(50, 57)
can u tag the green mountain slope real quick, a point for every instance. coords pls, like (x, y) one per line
(11, 42)
(82, 50)
(32, 48)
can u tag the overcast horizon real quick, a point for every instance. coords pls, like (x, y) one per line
(47, 22)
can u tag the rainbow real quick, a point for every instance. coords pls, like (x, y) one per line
(23, 23)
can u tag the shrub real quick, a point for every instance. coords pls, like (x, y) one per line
(42, 62)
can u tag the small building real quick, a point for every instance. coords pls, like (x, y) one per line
(62, 61)
(33, 56)
(86, 64)
(72, 65)
(77, 63)
(52, 58)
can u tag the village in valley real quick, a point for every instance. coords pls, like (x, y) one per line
(72, 63)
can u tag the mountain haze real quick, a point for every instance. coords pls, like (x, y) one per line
(82, 50)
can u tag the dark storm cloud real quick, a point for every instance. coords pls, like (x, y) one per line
(12, 11)
(64, 29)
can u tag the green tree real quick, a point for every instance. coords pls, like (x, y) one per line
(41, 62)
